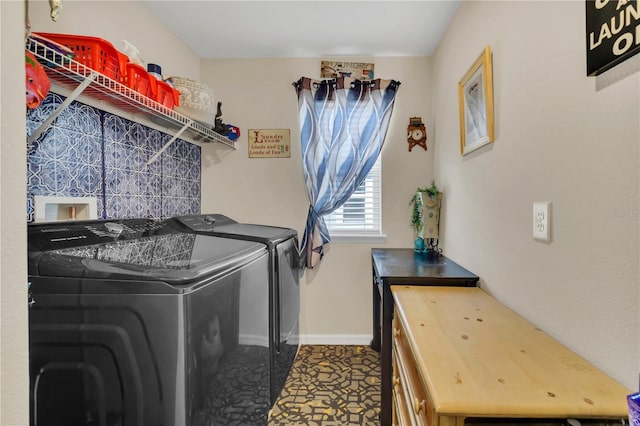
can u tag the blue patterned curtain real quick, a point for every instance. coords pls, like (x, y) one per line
(343, 124)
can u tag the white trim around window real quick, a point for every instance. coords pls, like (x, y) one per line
(359, 220)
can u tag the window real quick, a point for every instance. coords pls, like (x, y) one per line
(360, 217)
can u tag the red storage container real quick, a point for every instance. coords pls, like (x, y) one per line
(123, 61)
(166, 94)
(93, 52)
(138, 79)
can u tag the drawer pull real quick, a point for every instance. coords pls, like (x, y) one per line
(396, 332)
(418, 405)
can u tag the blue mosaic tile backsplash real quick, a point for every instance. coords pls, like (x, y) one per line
(89, 152)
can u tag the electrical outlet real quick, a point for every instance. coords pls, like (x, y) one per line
(541, 220)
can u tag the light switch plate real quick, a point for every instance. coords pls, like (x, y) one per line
(542, 220)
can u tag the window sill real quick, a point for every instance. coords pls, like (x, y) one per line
(359, 238)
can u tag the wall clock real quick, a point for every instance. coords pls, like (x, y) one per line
(416, 133)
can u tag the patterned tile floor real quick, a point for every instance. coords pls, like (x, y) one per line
(330, 386)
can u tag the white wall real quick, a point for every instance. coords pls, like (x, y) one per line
(582, 132)
(117, 21)
(560, 137)
(14, 385)
(257, 93)
(108, 20)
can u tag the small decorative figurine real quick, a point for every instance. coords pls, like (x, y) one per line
(220, 127)
(56, 7)
(416, 133)
(228, 130)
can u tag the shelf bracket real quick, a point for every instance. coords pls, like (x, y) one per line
(72, 97)
(166, 145)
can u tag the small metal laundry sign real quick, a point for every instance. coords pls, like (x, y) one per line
(269, 143)
(359, 70)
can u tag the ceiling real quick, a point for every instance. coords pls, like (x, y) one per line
(306, 28)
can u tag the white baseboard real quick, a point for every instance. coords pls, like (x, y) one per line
(335, 339)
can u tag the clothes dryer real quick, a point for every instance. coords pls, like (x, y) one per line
(284, 283)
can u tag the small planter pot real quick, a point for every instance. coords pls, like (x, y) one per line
(425, 219)
(431, 215)
(419, 245)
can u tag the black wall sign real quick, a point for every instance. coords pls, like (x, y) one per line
(613, 33)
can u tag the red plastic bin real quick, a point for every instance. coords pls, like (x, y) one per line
(165, 94)
(93, 52)
(123, 61)
(138, 79)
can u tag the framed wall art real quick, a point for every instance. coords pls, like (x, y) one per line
(475, 99)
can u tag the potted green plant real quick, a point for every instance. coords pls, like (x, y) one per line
(417, 219)
(433, 190)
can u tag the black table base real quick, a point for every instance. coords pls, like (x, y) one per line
(404, 267)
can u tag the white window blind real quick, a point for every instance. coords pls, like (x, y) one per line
(362, 213)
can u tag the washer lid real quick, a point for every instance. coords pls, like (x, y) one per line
(177, 259)
(159, 254)
(259, 232)
(217, 224)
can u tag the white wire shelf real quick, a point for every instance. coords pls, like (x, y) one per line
(72, 76)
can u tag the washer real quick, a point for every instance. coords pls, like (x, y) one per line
(140, 322)
(284, 282)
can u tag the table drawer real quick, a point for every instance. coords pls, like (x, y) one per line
(402, 414)
(415, 394)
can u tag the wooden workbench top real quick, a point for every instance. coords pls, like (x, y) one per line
(479, 358)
